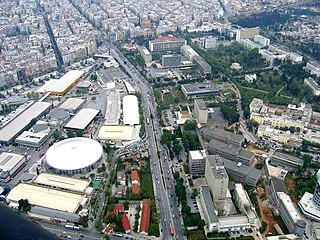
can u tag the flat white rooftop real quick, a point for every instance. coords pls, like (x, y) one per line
(74, 153)
(72, 103)
(291, 209)
(44, 88)
(65, 81)
(14, 127)
(82, 119)
(47, 197)
(9, 160)
(130, 110)
(57, 181)
(198, 154)
(117, 133)
(308, 207)
(29, 137)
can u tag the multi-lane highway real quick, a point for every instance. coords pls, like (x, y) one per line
(162, 175)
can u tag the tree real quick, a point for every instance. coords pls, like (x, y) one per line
(190, 125)
(56, 135)
(126, 205)
(194, 193)
(177, 148)
(70, 134)
(94, 98)
(79, 133)
(24, 205)
(83, 221)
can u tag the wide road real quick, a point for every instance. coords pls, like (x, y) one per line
(162, 175)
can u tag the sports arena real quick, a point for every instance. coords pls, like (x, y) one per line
(71, 156)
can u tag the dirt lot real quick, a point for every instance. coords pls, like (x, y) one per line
(266, 213)
(253, 148)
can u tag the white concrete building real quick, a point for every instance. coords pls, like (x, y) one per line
(216, 178)
(130, 110)
(200, 111)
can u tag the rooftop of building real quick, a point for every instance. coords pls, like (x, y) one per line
(313, 83)
(287, 157)
(51, 213)
(145, 216)
(9, 160)
(134, 176)
(222, 134)
(208, 202)
(10, 130)
(225, 147)
(308, 206)
(47, 197)
(245, 200)
(217, 168)
(125, 222)
(290, 208)
(201, 104)
(82, 119)
(197, 154)
(61, 182)
(199, 87)
(167, 39)
(123, 133)
(72, 103)
(241, 168)
(65, 81)
(135, 188)
(245, 154)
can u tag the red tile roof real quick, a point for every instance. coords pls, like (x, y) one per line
(135, 189)
(126, 223)
(145, 216)
(118, 207)
(134, 176)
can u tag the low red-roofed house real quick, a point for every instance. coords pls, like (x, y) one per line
(135, 189)
(134, 177)
(126, 223)
(145, 217)
(118, 208)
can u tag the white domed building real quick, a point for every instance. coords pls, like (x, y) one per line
(71, 156)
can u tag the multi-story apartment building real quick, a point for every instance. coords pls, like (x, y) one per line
(216, 177)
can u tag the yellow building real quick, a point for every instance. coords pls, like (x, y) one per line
(66, 82)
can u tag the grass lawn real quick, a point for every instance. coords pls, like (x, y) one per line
(146, 183)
